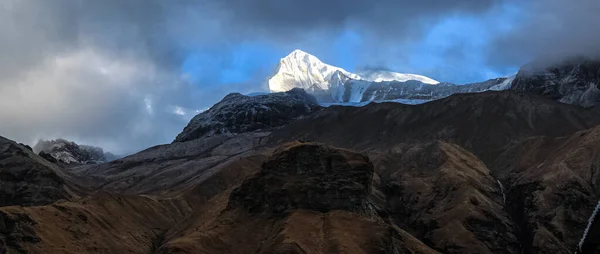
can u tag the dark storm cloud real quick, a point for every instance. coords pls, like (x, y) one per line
(160, 30)
(389, 16)
(36, 29)
(550, 31)
(100, 72)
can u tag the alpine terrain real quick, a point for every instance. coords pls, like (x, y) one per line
(509, 165)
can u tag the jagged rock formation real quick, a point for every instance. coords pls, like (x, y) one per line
(575, 81)
(238, 113)
(308, 176)
(48, 157)
(68, 152)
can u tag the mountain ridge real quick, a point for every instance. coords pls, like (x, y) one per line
(510, 171)
(303, 70)
(333, 84)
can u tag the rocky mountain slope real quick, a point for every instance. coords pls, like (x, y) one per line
(69, 152)
(101, 223)
(491, 172)
(238, 113)
(27, 179)
(483, 123)
(574, 81)
(557, 180)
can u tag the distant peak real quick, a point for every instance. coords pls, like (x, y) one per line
(297, 53)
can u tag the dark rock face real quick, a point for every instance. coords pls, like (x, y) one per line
(26, 146)
(27, 179)
(575, 81)
(552, 189)
(48, 157)
(308, 176)
(70, 152)
(238, 113)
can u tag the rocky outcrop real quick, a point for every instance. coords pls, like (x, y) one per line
(308, 176)
(306, 198)
(26, 179)
(48, 157)
(237, 113)
(575, 81)
(68, 152)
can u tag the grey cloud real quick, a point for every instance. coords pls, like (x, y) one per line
(385, 17)
(549, 31)
(94, 98)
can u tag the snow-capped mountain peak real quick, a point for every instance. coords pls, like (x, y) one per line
(302, 70)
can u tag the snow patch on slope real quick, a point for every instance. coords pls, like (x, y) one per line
(383, 76)
(590, 222)
(505, 85)
(337, 85)
(359, 87)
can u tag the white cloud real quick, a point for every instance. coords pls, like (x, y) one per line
(179, 111)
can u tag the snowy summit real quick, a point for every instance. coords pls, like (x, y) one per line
(302, 70)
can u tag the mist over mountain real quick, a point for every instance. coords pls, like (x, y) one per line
(69, 152)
